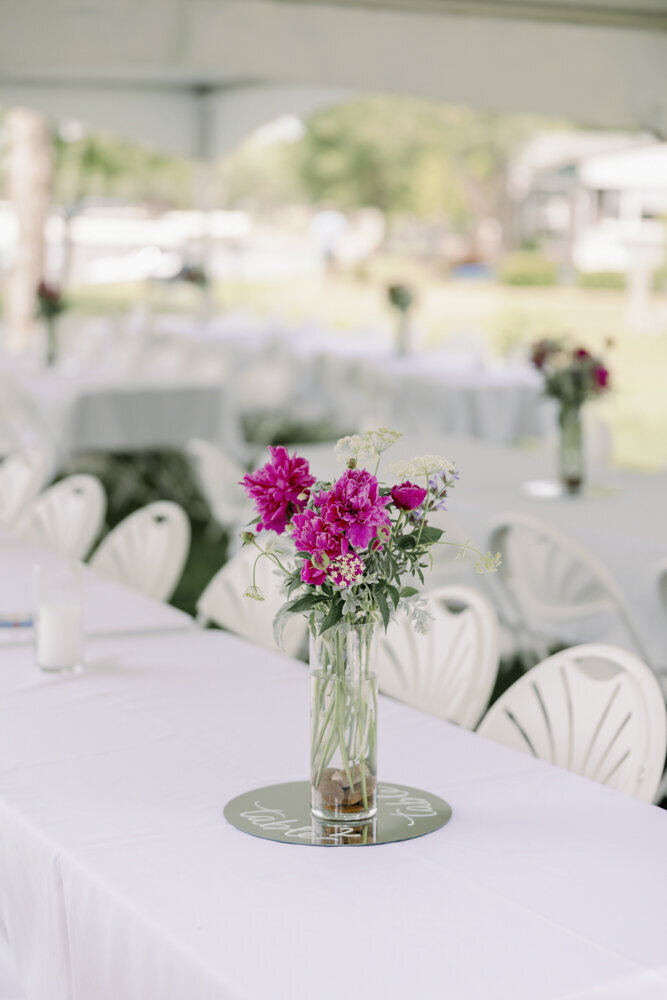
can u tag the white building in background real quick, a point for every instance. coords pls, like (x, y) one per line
(596, 201)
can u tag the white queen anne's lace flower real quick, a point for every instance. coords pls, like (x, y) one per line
(346, 570)
(366, 447)
(356, 447)
(422, 465)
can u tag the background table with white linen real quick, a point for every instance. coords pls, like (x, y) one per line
(120, 877)
(108, 606)
(88, 410)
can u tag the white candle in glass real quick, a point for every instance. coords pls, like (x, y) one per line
(59, 636)
(59, 614)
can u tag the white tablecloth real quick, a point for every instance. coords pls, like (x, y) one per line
(621, 520)
(108, 606)
(119, 877)
(93, 411)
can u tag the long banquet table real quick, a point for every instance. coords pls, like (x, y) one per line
(119, 876)
(108, 606)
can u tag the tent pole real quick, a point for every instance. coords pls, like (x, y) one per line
(204, 193)
(30, 174)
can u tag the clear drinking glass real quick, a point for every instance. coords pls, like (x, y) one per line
(58, 623)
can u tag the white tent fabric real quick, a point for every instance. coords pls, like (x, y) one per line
(194, 76)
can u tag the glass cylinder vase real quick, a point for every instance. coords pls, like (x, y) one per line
(51, 341)
(571, 449)
(343, 735)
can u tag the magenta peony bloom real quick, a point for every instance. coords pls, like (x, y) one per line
(311, 534)
(407, 496)
(277, 487)
(352, 508)
(541, 352)
(601, 376)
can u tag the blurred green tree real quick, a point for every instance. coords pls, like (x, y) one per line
(408, 155)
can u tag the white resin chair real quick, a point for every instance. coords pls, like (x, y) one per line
(223, 602)
(10, 988)
(219, 477)
(22, 476)
(593, 709)
(147, 550)
(551, 584)
(67, 517)
(450, 670)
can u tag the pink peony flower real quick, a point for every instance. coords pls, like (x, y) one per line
(541, 352)
(352, 508)
(407, 496)
(311, 534)
(277, 488)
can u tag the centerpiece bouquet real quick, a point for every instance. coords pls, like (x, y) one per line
(359, 545)
(50, 304)
(572, 376)
(193, 274)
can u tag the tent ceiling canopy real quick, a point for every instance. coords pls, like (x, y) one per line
(194, 76)
(648, 14)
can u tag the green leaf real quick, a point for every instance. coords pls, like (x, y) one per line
(304, 555)
(408, 591)
(431, 535)
(420, 575)
(305, 603)
(407, 542)
(334, 615)
(383, 606)
(394, 594)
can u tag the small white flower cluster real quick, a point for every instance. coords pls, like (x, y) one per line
(368, 447)
(254, 593)
(488, 562)
(422, 465)
(346, 570)
(356, 447)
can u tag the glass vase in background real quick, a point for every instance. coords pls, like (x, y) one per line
(571, 449)
(51, 342)
(343, 715)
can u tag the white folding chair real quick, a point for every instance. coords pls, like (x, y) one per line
(223, 602)
(219, 477)
(10, 988)
(450, 670)
(66, 517)
(147, 550)
(551, 583)
(593, 709)
(22, 475)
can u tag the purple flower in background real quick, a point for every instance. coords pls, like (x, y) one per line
(279, 489)
(407, 496)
